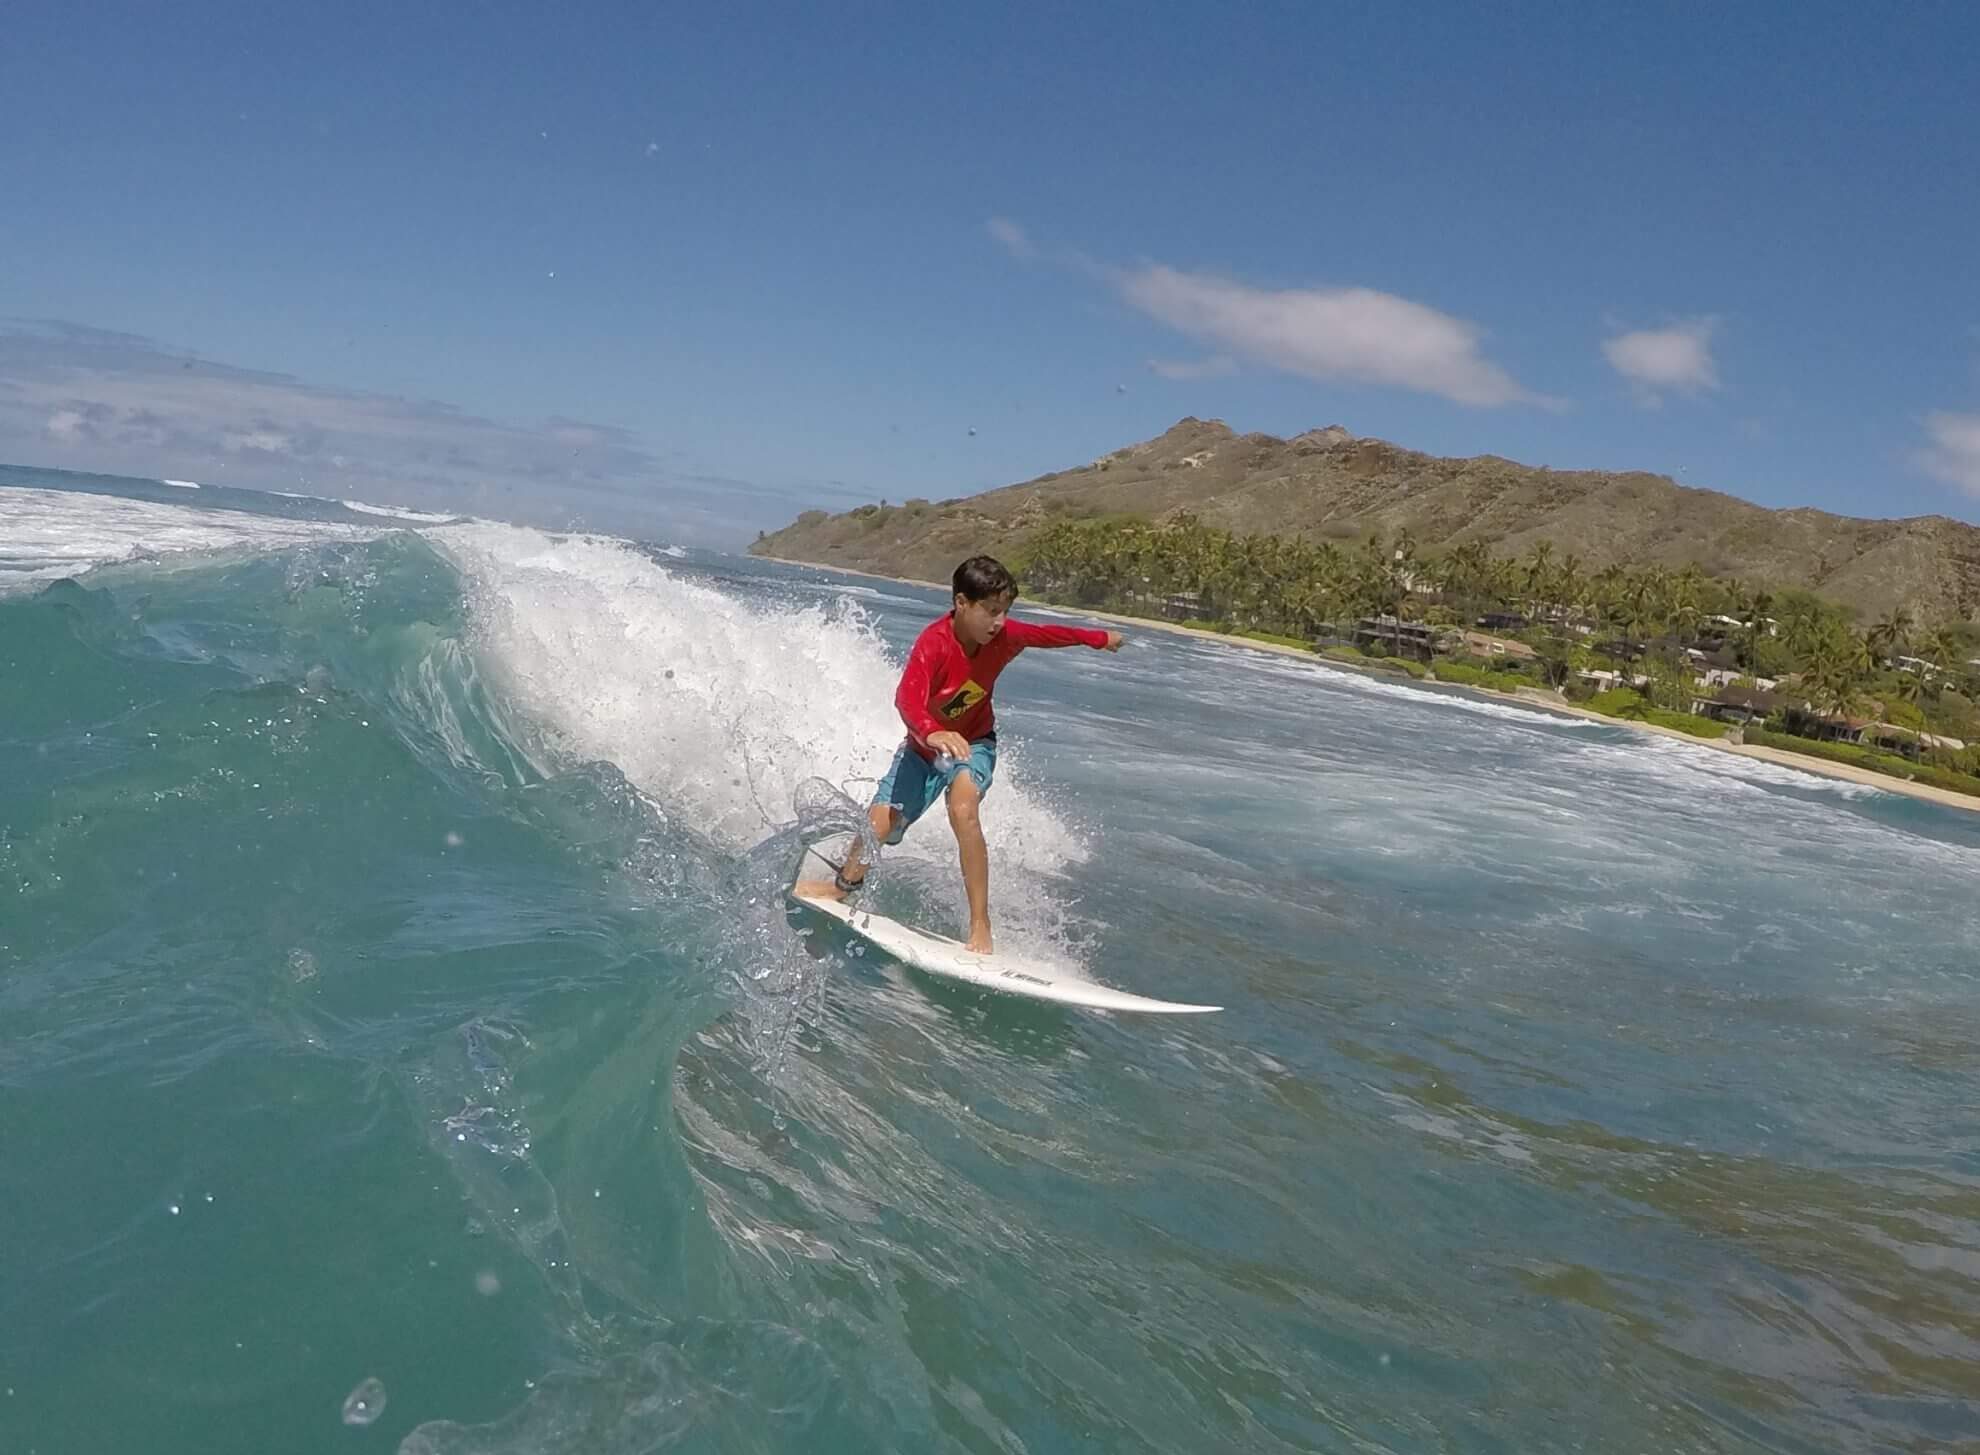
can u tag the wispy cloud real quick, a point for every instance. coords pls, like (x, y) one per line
(1213, 367)
(1012, 238)
(1657, 361)
(82, 398)
(1954, 453)
(1355, 334)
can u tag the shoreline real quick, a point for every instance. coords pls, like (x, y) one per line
(1538, 702)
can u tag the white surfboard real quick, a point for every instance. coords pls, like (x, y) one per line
(1012, 973)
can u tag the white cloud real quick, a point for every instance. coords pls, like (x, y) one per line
(1657, 360)
(1335, 333)
(1954, 456)
(1014, 239)
(86, 399)
(1214, 367)
(259, 441)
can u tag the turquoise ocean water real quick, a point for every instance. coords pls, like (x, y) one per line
(404, 1044)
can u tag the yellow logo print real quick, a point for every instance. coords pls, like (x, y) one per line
(961, 700)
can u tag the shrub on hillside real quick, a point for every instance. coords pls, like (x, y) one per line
(1468, 674)
(1631, 706)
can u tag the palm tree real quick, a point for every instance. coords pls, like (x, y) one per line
(1910, 688)
(1571, 586)
(1889, 637)
(1803, 630)
(1834, 675)
(1471, 566)
(1753, 611)
(1946, 650)
(1538, 576)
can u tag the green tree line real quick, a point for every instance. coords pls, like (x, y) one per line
(1289, 586)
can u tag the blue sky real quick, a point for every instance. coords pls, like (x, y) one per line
(685, 271)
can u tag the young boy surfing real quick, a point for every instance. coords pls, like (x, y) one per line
(951, 743)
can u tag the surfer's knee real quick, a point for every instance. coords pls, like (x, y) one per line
(964, 796)
(882, 818)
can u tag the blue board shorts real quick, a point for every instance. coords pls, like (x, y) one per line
(913, 783)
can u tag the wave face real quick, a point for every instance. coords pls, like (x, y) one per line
(402, 1026)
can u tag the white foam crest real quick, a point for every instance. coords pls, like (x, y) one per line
(867, 593)
(714, 706)
(1679, 761)
(1535, 716)
(182, 484)
(48, 534)
(397, 512)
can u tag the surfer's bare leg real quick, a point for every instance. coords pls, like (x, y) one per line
(963, 799)
(882, 819)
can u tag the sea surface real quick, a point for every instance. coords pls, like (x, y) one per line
(406, 1044)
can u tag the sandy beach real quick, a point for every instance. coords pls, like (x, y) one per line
(1534, 699)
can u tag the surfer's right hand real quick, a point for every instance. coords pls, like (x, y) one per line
(953, 745)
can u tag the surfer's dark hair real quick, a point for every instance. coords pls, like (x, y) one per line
(982, 577)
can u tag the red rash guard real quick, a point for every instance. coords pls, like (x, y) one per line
(944, 689)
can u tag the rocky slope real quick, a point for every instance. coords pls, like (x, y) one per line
(1329, 484)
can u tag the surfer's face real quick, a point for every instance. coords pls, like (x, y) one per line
(978, 621)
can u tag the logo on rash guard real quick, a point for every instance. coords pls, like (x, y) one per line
(961, 700)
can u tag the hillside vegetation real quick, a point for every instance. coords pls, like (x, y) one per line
(1329, 486)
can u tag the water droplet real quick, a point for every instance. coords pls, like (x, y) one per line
(365, 1403)
(487, 1284)
(173, 1209)
(453, 839)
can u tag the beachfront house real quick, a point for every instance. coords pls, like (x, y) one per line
(1479, 644)
(1396, 637)
(1888, 737)
(1742, 705)
(1883, 737)
(1731, 624)
(1727, 676)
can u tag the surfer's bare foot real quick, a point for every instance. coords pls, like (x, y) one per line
(978, 942)
(852, 873)
(838, 888)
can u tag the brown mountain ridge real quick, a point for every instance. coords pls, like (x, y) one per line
(1327, 484)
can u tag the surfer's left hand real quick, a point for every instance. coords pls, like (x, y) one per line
(1114, 640)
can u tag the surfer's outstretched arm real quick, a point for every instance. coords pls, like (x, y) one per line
(1025, 634)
